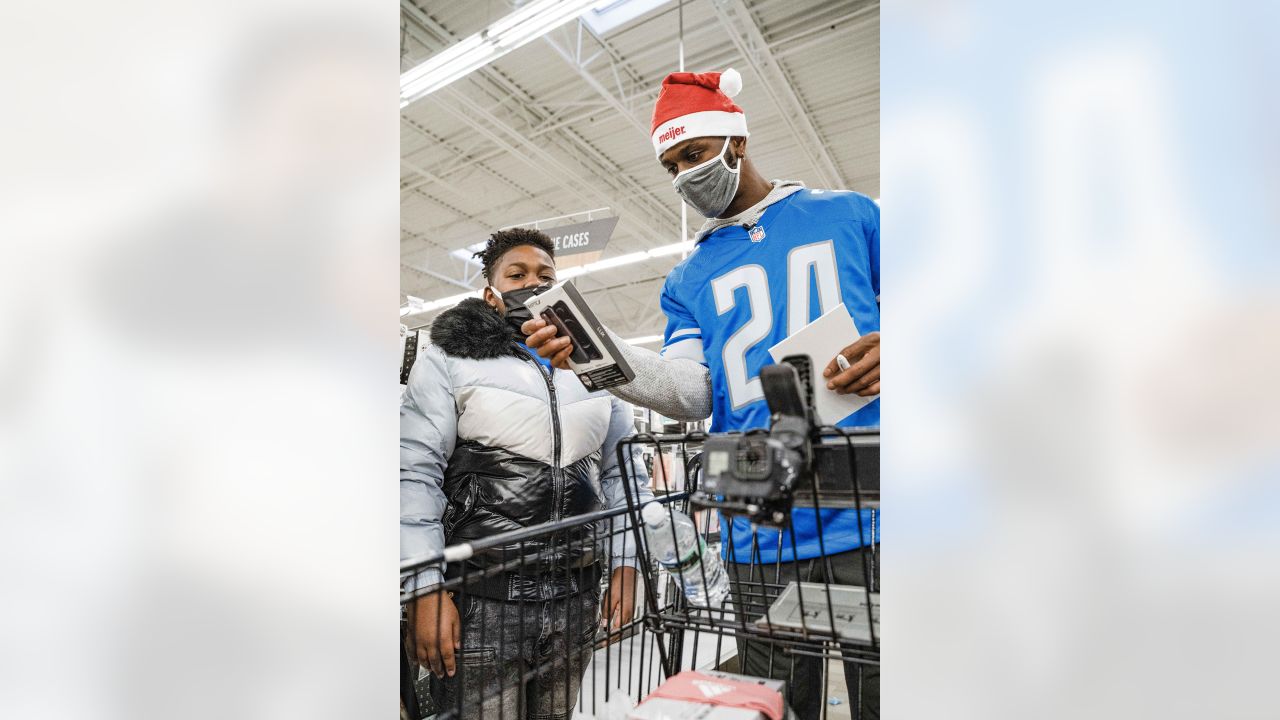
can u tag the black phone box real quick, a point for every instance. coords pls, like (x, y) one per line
(595, 359)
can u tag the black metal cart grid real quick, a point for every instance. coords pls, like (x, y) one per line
(682, 621)
(556, 549)
(668, 631)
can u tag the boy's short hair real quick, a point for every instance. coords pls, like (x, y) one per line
(504, 240)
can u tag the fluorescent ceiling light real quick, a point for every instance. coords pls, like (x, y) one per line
(608, 15)
(528, 23)
(467, 254)
(628, 259)
(620, 260)
(446, 302)
(671, 249)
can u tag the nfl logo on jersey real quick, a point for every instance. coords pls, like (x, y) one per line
(756, 234)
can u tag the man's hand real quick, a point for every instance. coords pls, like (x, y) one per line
(619, 604)
(863, 375)
(437, 632)
(543, 340)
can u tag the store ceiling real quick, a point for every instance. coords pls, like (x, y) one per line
(536, 134)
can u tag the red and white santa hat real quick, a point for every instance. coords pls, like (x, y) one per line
(697, 105)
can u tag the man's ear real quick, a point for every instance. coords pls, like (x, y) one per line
(493, 300)
(739, 146)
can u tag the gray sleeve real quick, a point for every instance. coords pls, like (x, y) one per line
(676, 387)
(428, 431)
(621, 541)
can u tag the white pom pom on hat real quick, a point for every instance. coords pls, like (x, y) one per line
(731, 82)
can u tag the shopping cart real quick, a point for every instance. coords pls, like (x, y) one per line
(546, 657)
(785, 620)
(782, 619)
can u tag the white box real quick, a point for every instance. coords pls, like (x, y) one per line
(595, 360)
(667, 709)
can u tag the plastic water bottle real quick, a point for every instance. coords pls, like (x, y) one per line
(684, 554)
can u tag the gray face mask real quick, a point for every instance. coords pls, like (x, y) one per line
(709, 188)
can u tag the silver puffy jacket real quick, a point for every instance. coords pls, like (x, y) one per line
(492, 440)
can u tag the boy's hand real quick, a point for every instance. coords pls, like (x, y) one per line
(619, 605)
(542, 340)
(437, 632)
(863, 375)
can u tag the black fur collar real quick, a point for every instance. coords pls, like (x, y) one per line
(472, 329)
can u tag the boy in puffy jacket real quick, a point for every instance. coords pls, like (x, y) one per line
(493, 439)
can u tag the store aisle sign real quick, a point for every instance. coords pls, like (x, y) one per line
(586, 237)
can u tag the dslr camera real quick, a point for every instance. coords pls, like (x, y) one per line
(763, 474)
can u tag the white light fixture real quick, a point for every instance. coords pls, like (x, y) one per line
(528, 23)
(619, 260)
(446, 302)
(467, 254)
(628, 259)
(608, 15)
(672, 249)
(412, 305)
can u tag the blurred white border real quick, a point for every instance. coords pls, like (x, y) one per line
(196, 346)
(1081, 458)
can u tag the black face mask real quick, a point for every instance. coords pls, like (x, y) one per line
(517, 314)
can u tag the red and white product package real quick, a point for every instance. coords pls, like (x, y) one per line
(693, 695)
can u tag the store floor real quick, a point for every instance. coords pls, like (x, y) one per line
(836, 690)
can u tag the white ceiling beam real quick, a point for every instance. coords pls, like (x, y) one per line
(781, 48)
(453, 62)
(601, 170)
(429, 177)
(787, 47)
(490, 152)
(572, 177)
(438, 276)
(536, 198)
(426, 23)
(638, 195)
(822, 29)
(697, 34)
(596, 85)
(745, 34)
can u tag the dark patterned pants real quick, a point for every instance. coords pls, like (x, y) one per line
(520, 660)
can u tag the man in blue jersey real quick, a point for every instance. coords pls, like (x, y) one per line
(772, 257)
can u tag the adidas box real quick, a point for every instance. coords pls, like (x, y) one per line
(595, 359)
(777, 685)
(710, 695)
(668, 709)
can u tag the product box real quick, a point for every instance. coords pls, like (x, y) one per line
(595, 358)
(706, 695)
(667, 709)
(776, 685)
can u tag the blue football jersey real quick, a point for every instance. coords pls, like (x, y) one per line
(742, 291)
